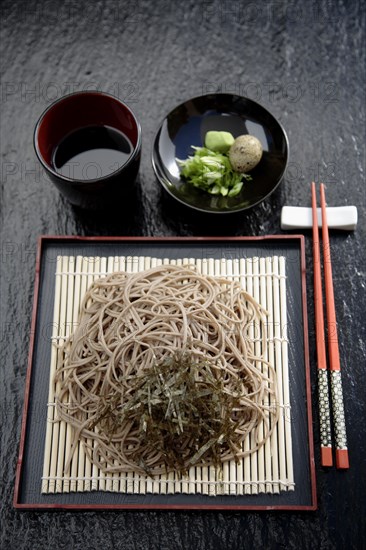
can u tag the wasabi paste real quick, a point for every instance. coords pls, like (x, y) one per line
(219, 142)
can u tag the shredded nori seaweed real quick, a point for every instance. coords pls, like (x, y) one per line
(178, 408)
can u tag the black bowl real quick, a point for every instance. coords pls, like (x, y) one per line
(188, 124)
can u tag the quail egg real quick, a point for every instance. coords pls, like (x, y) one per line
(245, 153)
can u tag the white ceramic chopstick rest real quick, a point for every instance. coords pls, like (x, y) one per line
(339, 217)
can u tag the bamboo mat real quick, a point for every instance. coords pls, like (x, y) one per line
(268, 470)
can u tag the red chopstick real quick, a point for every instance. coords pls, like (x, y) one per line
(342, 460)
(323, 379)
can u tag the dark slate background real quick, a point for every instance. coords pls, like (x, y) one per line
(305, 62)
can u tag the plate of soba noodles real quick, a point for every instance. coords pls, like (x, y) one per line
(168, 373)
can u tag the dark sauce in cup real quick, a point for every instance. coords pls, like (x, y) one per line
(92, 152)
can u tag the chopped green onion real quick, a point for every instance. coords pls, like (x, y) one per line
(212, 172)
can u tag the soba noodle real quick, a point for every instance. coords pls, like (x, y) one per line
(132, 325)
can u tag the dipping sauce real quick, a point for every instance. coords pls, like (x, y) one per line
(92, 152)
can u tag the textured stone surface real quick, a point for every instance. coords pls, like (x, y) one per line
(305, 63)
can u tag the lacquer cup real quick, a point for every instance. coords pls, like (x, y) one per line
(75, 112)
